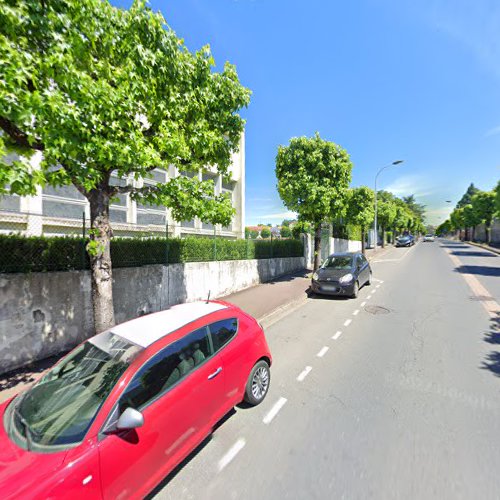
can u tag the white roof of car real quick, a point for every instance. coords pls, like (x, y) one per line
(146, 330)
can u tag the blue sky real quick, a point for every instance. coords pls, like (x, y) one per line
(385, 79)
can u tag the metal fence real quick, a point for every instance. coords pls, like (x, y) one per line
(34, 242)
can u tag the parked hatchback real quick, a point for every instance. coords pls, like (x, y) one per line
(120, 411)
(405, 241)
(342, 274)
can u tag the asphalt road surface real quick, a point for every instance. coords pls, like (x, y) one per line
(392, 395)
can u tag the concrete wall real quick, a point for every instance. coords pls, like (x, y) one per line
(42, 314)
(328, 246)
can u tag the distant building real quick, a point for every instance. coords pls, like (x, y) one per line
(58, 211)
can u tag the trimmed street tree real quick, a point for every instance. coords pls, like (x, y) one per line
(361, 210)
(483, 204)
(313, 180)
(265, 233)
(467, 196)
(100, 90)
(285, 232)
(497, 199)
(386, 212)
(471, 220)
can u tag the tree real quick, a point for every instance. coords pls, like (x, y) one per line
(417, 209)
(313, 179)
(100, 90)
(361, 210)
(457, 220)
(471, 219)
(285, 232)
(467, 196)
(386, 211)
(497, 199)
(287, 222)
(444, 228)
(253, 234)
(265, 232)
(483, 204)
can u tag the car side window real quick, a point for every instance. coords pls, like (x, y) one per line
(165, 369)
(222, 332)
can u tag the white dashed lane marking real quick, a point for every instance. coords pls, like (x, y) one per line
(322, 352)
(233, 451)
(274, 410)
(303, 374)
(347, 322)
(356, 312)
(337, 335)
(363, 304)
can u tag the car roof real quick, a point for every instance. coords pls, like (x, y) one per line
(146, 330)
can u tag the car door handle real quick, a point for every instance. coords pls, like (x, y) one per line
(215, 373)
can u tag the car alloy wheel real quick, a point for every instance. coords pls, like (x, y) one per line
(258, 383)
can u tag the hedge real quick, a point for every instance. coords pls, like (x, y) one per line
(40, 253)
(347, 232)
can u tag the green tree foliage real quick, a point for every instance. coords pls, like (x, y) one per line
(457, 219)
(265, 232)
(470, 219)
(483, 204)
(467, 196)
(387, 211)
(361, 210)
(98, 89)
(497, 199)
(444, 228)
(285, 232)
(313, 179)
(417, 209)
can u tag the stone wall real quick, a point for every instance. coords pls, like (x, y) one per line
(42, 314)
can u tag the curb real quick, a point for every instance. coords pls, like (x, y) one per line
(280, 312)
(496, 251)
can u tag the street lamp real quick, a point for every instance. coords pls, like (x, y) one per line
(397, 162)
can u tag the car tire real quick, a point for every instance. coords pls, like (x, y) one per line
(355, 290)
(258, 383)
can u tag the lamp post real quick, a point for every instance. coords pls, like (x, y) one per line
(397, 162)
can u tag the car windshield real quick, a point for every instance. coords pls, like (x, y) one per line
(338, 262)
(59, 409)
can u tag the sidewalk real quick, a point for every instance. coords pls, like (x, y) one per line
(267, 302)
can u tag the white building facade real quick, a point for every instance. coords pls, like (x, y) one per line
(59, 211)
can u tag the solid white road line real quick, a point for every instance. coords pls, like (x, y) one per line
(356, 312)
(233, 451)
(323, 351)
(347, 322)
(337, 335)
(274, 410)
(304, 373)
(363, 304)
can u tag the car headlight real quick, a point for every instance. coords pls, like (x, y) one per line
(346, 278)
(315, 276)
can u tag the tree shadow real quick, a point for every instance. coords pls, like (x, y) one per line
(29, 373)
(167, 479)
(479, 270)
(473, 254)
(492, 361)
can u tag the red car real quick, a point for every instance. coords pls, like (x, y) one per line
(120, 411)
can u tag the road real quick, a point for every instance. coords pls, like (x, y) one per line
(402, 403)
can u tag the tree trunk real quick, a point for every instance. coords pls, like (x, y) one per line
(100, 261)
(317, 247)
(488, 232)
(473, 233)
(363, 234)
(383, 236)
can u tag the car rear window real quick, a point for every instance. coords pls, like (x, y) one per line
(222, 332)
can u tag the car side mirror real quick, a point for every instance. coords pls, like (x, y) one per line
(130, 419)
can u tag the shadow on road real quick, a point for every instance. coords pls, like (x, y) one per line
(190, 457)
(473, 254)
(290, 277)
(492, 361)
(479, 270)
